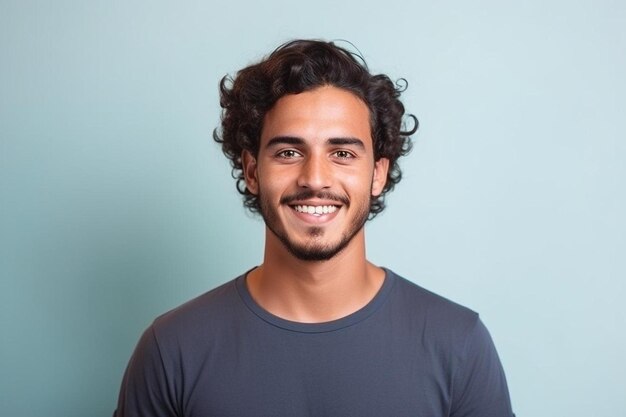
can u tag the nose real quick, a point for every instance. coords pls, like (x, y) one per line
(315, 173)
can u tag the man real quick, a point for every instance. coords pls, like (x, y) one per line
(316, 329)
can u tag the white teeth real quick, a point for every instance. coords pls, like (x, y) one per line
(316, 210)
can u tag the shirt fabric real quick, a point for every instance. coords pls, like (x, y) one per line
(408, 352)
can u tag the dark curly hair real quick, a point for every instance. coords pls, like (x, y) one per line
(303, 65)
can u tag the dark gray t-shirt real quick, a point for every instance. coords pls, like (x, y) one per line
(408, 352)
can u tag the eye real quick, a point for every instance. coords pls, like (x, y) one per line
(288, 154)
(343, 155)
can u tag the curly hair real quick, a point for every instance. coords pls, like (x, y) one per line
(303, 65)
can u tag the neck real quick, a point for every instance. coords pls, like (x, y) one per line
(314, 291)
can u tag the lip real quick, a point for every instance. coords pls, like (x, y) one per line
(315, 203)
(315, 218)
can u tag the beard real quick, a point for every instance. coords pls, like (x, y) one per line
(314, 248)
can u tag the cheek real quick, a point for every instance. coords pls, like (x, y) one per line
(272, 185)
(357, 185)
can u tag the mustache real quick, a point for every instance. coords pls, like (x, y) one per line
(308, 194)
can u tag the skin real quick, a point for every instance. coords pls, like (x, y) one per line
(315, 150)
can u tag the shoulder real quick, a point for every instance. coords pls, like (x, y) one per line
(178, 339)
(419, 300)
(202, 315)
(439, 320)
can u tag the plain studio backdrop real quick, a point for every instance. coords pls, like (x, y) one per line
(116, 205)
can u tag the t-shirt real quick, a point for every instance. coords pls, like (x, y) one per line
(408, 352)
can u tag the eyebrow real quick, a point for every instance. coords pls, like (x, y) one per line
(284, 140)
(293, 140)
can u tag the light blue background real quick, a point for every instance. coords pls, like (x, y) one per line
(116, 205)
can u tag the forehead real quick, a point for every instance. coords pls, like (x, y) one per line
(319, 114)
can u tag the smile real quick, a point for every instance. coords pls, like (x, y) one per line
(315, 210)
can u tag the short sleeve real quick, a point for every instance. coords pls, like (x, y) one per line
(145, 390)
(480, 388)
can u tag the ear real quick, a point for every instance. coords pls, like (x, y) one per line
(250, 174)
(381, 167)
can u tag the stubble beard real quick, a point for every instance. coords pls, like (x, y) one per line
(313, 249)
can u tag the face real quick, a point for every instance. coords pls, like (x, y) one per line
(315, 171)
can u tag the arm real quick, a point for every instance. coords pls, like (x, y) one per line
(145, 390)
(480, 388)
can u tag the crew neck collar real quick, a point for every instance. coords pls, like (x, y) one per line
(329, 326)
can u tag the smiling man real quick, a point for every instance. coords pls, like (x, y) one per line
(315, 330)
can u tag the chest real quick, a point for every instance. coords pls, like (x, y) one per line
(344, 373)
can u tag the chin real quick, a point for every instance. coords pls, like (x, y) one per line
(314, 255)
(315, 251)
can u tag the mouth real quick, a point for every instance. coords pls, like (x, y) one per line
(315, 210)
